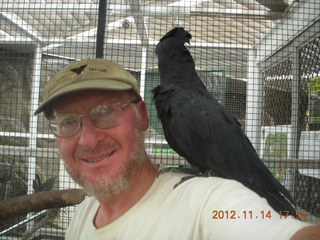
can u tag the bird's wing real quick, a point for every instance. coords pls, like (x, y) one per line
(194, 124)
(198, 122)
(198, 128)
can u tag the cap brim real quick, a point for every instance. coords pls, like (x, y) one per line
(86, 85)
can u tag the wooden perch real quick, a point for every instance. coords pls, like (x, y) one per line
(21, 205)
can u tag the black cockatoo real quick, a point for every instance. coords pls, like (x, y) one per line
(201, 130)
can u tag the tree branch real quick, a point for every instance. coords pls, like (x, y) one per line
(21, 205)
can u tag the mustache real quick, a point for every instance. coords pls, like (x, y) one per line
(97, 150)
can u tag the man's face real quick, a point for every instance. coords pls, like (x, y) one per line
(103, 161)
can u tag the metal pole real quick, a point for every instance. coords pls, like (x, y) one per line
(31, 218)
(143, 71)
(101, 28)
(254, 101)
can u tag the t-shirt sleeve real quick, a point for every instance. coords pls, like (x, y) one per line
(233, 211)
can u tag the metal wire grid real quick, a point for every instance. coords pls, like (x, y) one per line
(307, 181)
(279, 114)
(222, 45)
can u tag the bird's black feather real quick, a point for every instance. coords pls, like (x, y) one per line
(201, 130)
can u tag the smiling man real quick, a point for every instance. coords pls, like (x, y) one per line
(99, 119)
(97, 115)
(104, 162)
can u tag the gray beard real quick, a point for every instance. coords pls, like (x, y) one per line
(108, 186)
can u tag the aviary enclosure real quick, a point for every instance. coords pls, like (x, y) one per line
(260, 58)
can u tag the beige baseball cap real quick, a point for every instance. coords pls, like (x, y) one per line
(87, 74)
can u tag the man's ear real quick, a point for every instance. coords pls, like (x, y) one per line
(144, 121)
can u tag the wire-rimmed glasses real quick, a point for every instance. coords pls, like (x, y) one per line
(106, 115)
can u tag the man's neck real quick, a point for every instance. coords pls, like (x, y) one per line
(112, 208)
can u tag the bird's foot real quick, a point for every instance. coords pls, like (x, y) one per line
(207, 173)
(183, 180)
(185, 170)
(179, 169)
(195, 173)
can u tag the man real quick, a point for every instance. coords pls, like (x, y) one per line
(99, 119)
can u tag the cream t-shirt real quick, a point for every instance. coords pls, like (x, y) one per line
(200, 208)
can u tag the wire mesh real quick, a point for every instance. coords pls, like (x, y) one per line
(261, 61)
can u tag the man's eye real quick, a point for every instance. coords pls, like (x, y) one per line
(69, 121)
(106, 111)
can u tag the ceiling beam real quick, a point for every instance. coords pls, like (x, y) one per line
(12, 20)
(35, 7)
(237, 13)
(154, 11)
(53, 43)
(274, 5)
(139, 20)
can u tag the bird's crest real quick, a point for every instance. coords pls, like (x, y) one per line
(179, 33)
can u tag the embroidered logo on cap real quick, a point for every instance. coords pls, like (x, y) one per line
(79, 70)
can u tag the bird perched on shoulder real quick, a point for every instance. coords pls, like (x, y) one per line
(201, 130)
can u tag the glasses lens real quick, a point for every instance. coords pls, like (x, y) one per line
(65, 125)
(106, 115)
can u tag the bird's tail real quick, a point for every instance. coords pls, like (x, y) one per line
(278, 201)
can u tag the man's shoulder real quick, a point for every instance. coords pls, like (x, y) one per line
(201, 194)
(185, 179)
(179, 182)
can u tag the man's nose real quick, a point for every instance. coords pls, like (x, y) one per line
(90, 135)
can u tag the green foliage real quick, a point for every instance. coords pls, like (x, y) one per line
(275, 145)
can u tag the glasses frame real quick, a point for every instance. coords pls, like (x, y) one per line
(122, 106)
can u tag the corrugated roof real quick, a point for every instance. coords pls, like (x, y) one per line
(226, 29)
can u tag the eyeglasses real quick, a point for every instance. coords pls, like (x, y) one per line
(107, 115)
